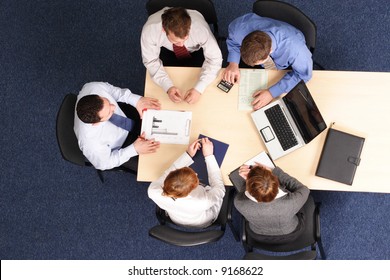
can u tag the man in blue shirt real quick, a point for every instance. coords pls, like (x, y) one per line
(272, 44)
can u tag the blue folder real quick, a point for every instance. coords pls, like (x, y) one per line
(199, 165)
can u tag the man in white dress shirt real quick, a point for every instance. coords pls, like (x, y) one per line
(182, 36)
(178, 191)
(103, 143)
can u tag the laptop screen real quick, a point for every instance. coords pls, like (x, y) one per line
(304, 111)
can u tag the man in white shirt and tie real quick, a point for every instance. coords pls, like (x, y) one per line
(105, 135)
(180, 37)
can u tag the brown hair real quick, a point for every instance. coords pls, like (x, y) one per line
(180, 182)
(88, 108)
(177, 21)
(262, 184)
(255, 46)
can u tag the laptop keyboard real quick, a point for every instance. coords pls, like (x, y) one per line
(281, 127)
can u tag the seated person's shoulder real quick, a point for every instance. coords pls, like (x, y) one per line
(198, 21)
(156, 17)
(91, 86)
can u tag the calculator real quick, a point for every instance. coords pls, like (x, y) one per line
(225, 86)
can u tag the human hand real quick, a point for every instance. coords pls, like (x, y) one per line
(261, 98)
(192, 96)
(263, 166)
(207, 147)
(193, 147)
(231, 73)
(147, 103)
(244, 170)
(175, 94)
(144, 146)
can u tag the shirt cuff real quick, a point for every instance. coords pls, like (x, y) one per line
(167, 86)
(133, 98)
(210, 158)
(200, 86)
(275, 90)
(233, 57)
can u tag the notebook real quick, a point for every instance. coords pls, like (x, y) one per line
(199, 165)
(340, 156)
(290, 122)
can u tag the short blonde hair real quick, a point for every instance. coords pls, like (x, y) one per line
(262, 184)
(180, 182)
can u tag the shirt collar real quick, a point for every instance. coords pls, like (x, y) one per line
(280, 194)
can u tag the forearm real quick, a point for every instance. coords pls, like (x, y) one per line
(212, 63)
(290, 183)
(105, 159)
(123, 95)
(302, 69)
(151, 59)
(215, 178)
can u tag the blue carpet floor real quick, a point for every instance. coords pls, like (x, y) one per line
(51, 209)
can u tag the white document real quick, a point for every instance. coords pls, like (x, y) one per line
(166, 126)
(262, 158)
(251, 80)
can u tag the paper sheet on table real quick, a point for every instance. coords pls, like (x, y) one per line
(251, 80)
(166, 126)
(262, 158)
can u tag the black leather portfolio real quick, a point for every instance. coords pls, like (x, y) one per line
(340, 156)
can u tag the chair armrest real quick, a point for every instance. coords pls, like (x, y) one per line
(304, 255)
(317, 221)
(182, 238)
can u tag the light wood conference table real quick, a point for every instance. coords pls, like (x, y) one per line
(357, 102)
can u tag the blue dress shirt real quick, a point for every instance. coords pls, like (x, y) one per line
(288, 48)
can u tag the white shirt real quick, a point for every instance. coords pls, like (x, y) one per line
(101, 143)
(153, 38)
(202, 205)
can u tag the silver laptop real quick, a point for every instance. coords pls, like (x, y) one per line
(290, 122)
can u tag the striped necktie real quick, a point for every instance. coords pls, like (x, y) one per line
(269, 64)
(122, 122)
(181, 52)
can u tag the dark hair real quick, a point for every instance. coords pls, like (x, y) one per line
(255, 46)
(262, 184)
(88, 108)
(177, 21)
(180, 182)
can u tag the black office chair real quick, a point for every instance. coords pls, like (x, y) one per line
(66, 137)
(292, 15)
(294, 249)
(168, 232)
(205, 7)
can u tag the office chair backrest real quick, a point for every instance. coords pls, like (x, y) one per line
(66, 137)
(187, 237)
(310, 236)
(288, 13)
(205, 7)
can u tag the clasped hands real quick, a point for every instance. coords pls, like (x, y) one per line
(204, 143)
(244, 169)
(191, 96)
